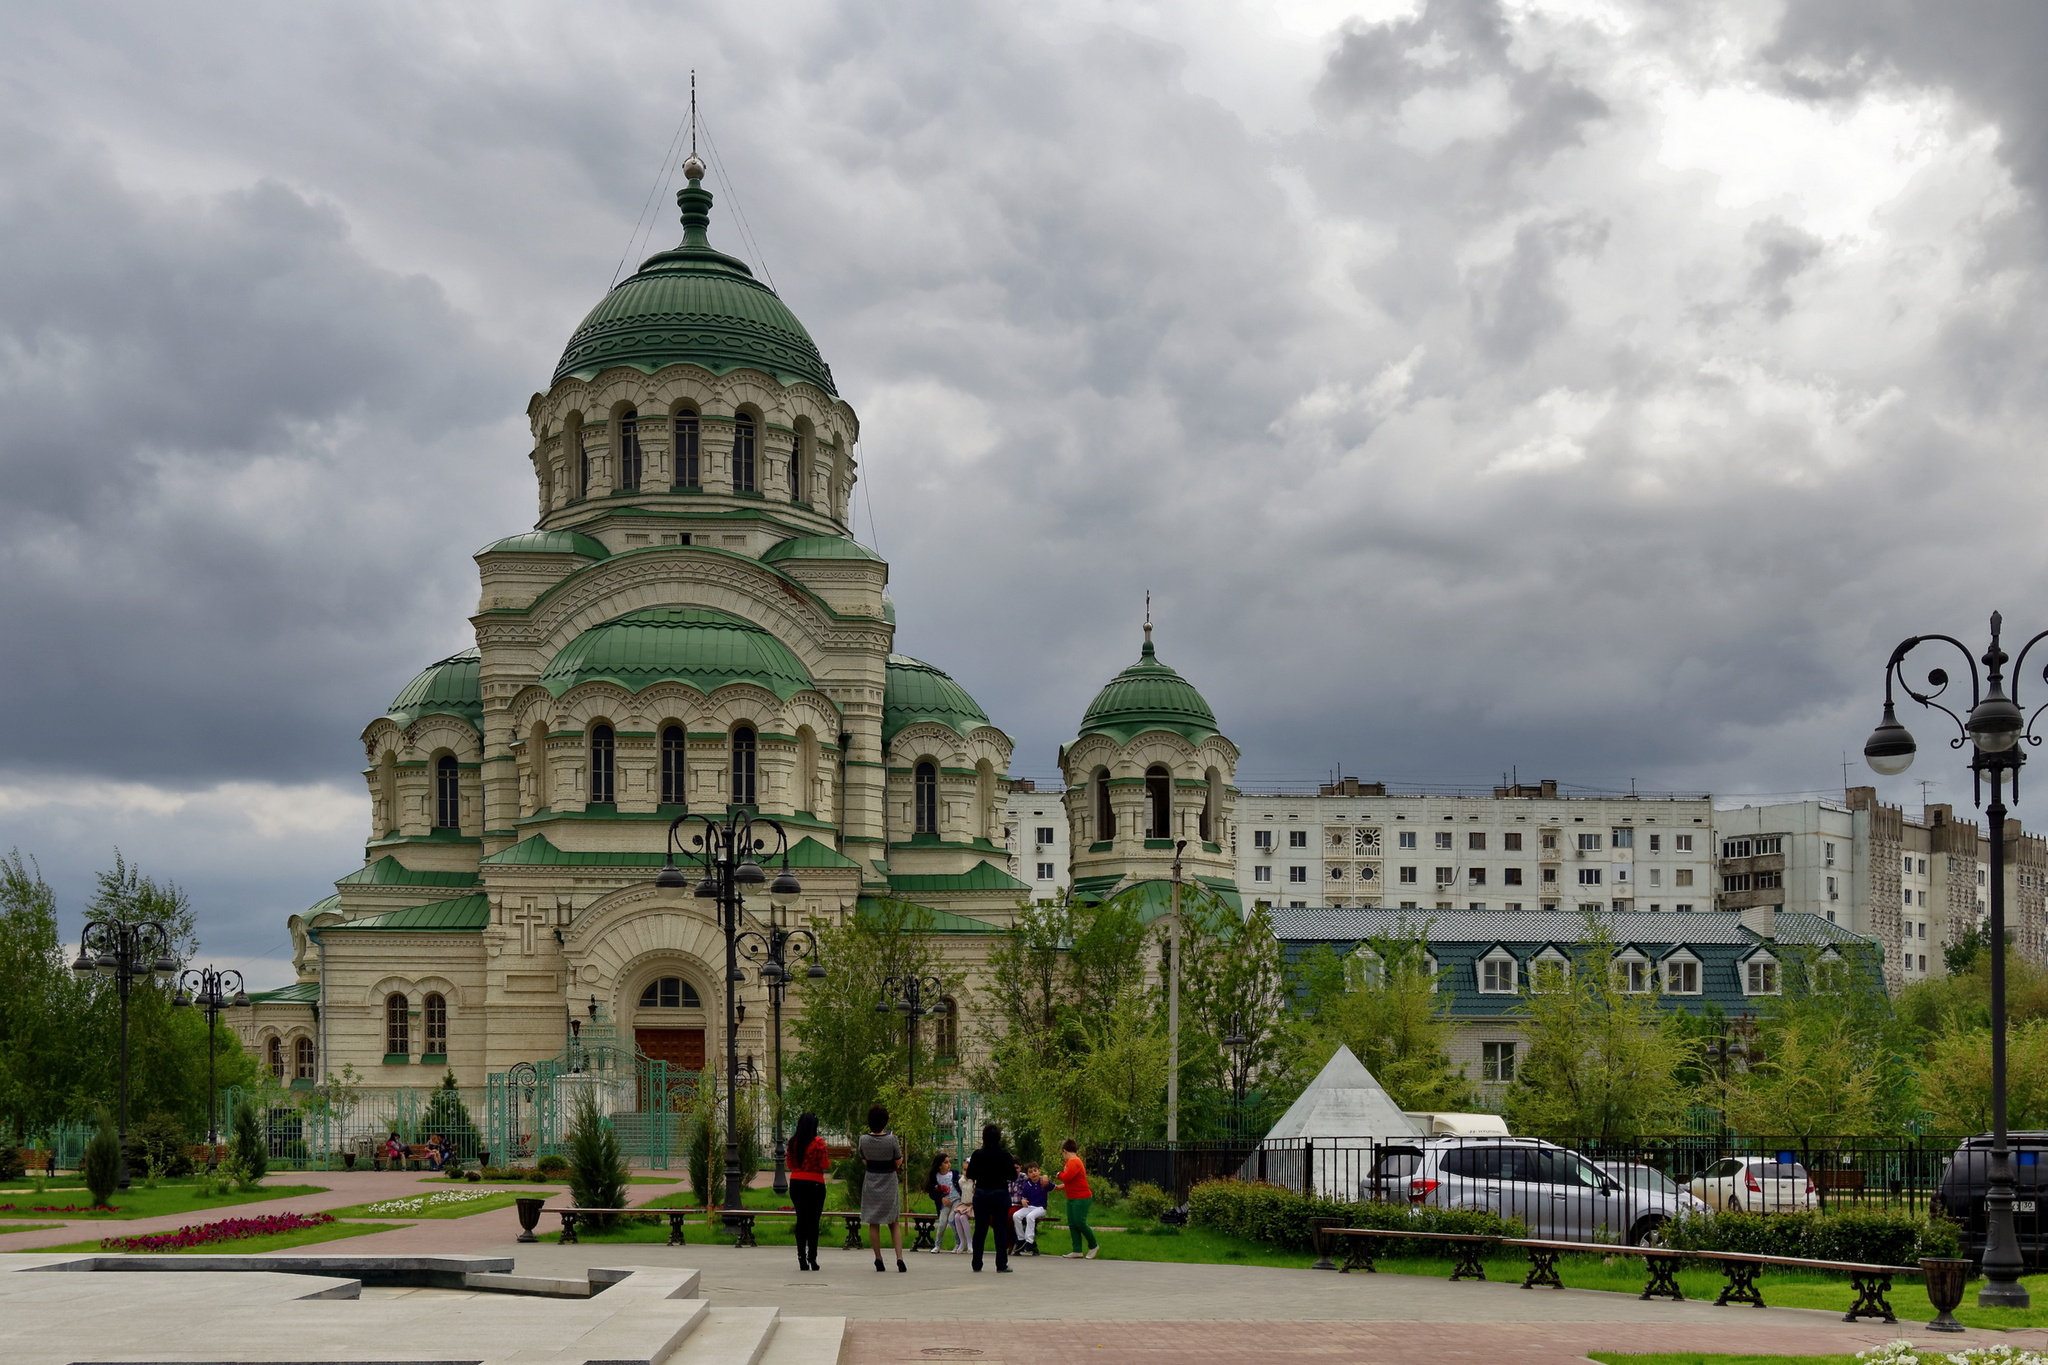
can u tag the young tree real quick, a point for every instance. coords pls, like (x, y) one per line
(1232, 986)
(449, 1116)
(101, 1164)
(45, 1074)
(597, 1163)
(1826, 1057)
(1956, 1078)
(1380, 1001)
(248, 1151)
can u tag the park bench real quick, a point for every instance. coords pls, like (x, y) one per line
(1661, 1262)
(1870, 1282)
(925, 1238)
(31, 1158)
(740, 1222)
(1364, 1248)
(570, 1217)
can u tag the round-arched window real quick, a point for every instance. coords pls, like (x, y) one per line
(670, 993)
(925, 797)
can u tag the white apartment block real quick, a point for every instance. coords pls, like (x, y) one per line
(1035, 832)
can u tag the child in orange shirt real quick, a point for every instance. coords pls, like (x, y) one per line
(1073, 1180)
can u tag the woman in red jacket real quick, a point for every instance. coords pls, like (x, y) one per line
(808, 1163)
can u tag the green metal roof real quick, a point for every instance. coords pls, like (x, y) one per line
(448, 688)
(388, 871)
(915, 691)
(701, 646)
(323, 905)
(537, 851)
(932, 921)
(817, 547)
(298, 993)
(549, 543)
(985, 876)
(463, 915)
(1153, 897)
(1149, 696)
(697, 306)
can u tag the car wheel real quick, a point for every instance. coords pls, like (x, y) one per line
(1648, 1231)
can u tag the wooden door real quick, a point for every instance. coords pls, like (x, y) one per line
(681, 1048)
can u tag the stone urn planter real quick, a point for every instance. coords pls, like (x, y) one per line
(348, 1161)
(1945, 1276)
(529, 1217)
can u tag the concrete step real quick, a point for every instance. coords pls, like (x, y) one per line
(806, 1341)
(727, 1336)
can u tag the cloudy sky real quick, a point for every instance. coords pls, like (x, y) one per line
(1587, 387)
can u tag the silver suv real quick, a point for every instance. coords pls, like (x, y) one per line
(1554, 1191)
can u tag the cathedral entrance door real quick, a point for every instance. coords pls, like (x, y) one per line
(681, 1048)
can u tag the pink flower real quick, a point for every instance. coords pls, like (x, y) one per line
(226, 1230)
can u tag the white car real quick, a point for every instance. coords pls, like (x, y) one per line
(1754, 1184)
(1650, 1180)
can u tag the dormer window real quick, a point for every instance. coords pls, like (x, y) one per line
(1498, 973)
(1632, 973)
(1760, 975)
(1681, 974)
(1550, 971)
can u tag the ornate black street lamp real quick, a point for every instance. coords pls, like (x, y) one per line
(125, 953)
(208, 989)
(907, 996)
(775, 953)
(1995, 726)
(1237, 1043)
(725, 851)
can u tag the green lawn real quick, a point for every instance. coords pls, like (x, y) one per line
(377, 1208)
(165, 1201)
(251, 1246)
(10, 1229)
(464, 1180)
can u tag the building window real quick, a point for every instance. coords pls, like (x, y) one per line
(1158, 803)
(1045, 835)
(799, 467)
(946, 1030)
(1589, 876)
(1656, 876)
(1297, 874)
(1682, 975)
(1297, 838)
(1632, 974)
(1682, 909)
(674, 749)
(743, 448)
(629, 451)
(1737, 848)
(1476, 876)
(1446, 875)
(1105, 816)
(447, 793)
(1770, 845)
(1768, 881)
(603, 750)
(1656, 842)
(1262, 874)
(303, 1063)
(1512, 841)
(669, 993)
(925, 798)
(1735, 881)
(397, 1026)
(743, 767)
(1262, 839)
(1511, 876)
(689, 471)
(582, 463)
(1681, 843)
(1589, 842)
(1497, 1062)
(1497, 975)
(434, 1015)
(1407, 874)
(1336, 874)
(1407, 838)
(1476, 841)
(1045, 872)
(1623, 836)
(1550, 841)
(275, 1054)
(1761, 977)
(1549, 874)
(1682, 877)
(1443, 838)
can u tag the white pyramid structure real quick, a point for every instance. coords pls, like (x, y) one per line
(1347, 1112)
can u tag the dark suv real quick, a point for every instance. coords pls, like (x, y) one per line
(1966, 1181)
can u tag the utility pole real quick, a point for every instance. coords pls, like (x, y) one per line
(1173, 1002)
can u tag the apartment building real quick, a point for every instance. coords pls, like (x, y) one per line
(1035, 834)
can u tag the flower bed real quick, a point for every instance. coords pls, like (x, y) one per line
(226, 1230)
(420, 1203)
(1903, 1352)
(58, 1208)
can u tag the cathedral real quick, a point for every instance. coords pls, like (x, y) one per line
(691, 628)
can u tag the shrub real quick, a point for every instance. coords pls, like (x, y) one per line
(1146, 1200)
(157, 1145)
(449, 1116)
(597, 1164)
(11, 1167)
(248, 1153)
(554, 1163)
(1280, 1216)
(101, 1164)
(1880, 1236)
(538, 1177)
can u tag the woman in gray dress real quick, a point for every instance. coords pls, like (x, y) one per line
(881, 1152)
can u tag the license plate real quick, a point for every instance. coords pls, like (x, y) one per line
(2022, 1206)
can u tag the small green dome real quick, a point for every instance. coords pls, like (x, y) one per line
(696, 645)
(1149, 696)
(549, 543)
(817, 547)
(697, 306)
(449, 688)
(915, 691)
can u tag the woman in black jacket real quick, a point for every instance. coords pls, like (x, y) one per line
(992, 1169)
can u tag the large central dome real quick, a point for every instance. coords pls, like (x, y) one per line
(697, 306)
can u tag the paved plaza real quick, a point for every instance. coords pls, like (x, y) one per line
(1057, 1309)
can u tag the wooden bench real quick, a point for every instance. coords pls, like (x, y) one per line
(1364, 1248)
(924, 1239)
(1848, 1181)
(1661, 1262)
(675, 1217)
(1870, 1282)
(205, 1158)
(740, 1222)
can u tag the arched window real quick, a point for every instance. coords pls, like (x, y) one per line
(946, 1031)
(397, 1026)
(447, 793)
(743, 767)
(302, 1059)
(387, 791)
(806, 770)
(537, 759)
(1208, 820)
(674, 748)
(800, 467)
(670, 993)
(743, 448)
(1105, 818)
(581, 455)
(688, 470)
(603, 750)
(434, 1014)
(275, 1056)
(925, 798)
(1159, 802)
(629, 450)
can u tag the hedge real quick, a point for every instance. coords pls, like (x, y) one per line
(1280, 1216)
(1880, 1236)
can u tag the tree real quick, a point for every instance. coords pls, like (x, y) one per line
(42, 1077)
(248, 1151)
(597, 1163)
(1232, 979)
(1826, 1057)
(1956, 1078)
(101, 1163)
(1602, 1062)
(1380, 1001)
(449, 1116)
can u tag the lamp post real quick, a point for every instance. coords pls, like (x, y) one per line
(774, 953)
(1173, 1002)
(208, 989)
(1995, 726)
(125, 953)
(1237, 1043)
(906, 995)
(725, 851)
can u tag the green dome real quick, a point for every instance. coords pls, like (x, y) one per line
(697, 306)
(549, 543)
(449, 688)
(696, 645)
(916, 691)
(817, 547)
(1149, 696)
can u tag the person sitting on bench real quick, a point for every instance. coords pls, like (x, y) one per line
(1028, 1193)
